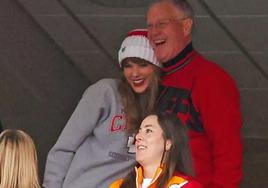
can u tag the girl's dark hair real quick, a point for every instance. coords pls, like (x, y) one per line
(178, 158)
(137, 106)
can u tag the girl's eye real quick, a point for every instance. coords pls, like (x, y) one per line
(148, 131)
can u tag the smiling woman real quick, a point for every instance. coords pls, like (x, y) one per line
(98, 135)
(138, 73)
(151, 145)
(163, 154)
(140, 78)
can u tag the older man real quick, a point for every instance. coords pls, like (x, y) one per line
(201, 93)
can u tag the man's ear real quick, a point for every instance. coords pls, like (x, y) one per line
(168, 145)
(187, 26)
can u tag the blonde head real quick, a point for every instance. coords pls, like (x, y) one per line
(18, 160)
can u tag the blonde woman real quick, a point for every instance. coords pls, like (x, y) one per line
(18, 160)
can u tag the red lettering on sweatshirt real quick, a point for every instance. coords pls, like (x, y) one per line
(118, 123)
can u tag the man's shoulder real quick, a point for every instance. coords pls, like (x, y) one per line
(208, 68)
(210, 77)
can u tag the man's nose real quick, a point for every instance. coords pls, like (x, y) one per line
(153, 31)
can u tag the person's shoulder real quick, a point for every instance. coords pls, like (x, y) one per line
(177, 180)
(105, 83)
(210, 67)
(102, 86)
(116, 184)
(183, 181)
(209, 71)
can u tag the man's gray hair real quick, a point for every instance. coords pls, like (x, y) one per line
(182, 5)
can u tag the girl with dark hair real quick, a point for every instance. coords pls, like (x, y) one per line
(163, 154)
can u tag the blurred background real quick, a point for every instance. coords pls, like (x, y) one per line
(52, 50)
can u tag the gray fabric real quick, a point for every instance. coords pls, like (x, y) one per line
(91, 151)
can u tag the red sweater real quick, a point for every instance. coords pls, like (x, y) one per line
(206, 99)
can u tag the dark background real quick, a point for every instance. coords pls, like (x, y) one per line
(51, 50)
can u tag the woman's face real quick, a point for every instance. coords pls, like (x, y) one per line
(138, 75)
(150, 142)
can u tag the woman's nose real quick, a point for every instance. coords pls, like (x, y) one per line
(135, 71)
(138, 137)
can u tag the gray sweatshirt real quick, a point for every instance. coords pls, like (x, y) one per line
(92, 150)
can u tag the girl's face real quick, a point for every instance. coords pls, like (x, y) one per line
(150, 143)
(138, 75)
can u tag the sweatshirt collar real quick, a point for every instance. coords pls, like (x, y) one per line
(180, 60)
(177, 179)
(139, 176)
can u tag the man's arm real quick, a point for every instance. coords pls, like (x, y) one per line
(219, 105)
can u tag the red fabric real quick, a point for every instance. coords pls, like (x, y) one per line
(217, 152)
(192, 182)
(138, 32)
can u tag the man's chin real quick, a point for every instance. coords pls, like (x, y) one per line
(161, 57)
(162, 60)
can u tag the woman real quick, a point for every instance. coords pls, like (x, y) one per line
(93, 150)
(18, 160)
(163, 154)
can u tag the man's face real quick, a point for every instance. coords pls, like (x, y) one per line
(169, 30)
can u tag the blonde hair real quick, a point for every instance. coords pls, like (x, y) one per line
(18, 160)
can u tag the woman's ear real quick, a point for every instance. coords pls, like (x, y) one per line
(168, 145)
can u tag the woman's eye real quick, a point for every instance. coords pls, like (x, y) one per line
(144, 64)
(148, 131)
(126, 66)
